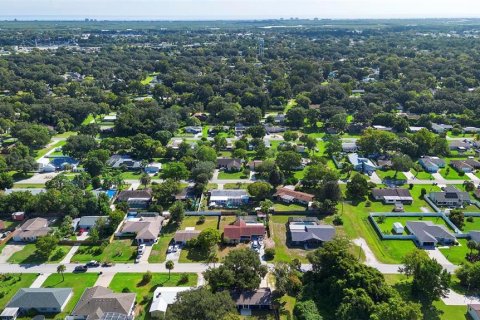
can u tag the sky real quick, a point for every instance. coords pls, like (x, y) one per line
(235, 9)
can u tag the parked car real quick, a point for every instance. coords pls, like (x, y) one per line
(171, 249)
(108, 264)
(93, 264)
(80, 269)
(137, 260)
(141, 249)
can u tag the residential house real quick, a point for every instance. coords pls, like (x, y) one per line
(228, 198)
(229, 164)
(441, 128)
(471, 129)
(467, 165)
(110, 118)
(279, 119)
(88, 222)
(309, 232)
(146, 228)
(9, 314)
(271, 129)
(474, 311)
(98, 301)
(258, 299)
(241, 231)
(414, 129)
(348, 147)
(358, 91)
(254, 164)
(288, 194)
(182, 236)
(46, 168)
(185, 194)
(428, 234)
(450, 197)
(240, 129)
(364, 165)
(124, 161)
(41, 300)
(33, 191)
(431, 164)
(193, 129)
(32, 229)
(460, 145)
(138, 199)
(162, 298)
(153, 168)
(18, 216)
(175, 143)
(392, 195)
(63, 163)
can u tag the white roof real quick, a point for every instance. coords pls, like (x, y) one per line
(163, 296)
(397, 225)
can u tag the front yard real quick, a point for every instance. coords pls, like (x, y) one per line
(390, 174)
(124, 251)
(28, 255)
(78, 282)
(223, 175)
(10, 283)
(387, 225)
(278, 233)
(132, 282)
(456, 254)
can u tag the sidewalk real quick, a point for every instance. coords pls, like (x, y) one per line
(40, 280)
(70, 255)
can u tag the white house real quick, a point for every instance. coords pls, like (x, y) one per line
(162, 297)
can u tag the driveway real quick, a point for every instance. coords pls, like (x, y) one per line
(8, 251)
(104, 279)
(146, 254)
(438, 255)
(70, 254)
(40, 280)
(38, 178)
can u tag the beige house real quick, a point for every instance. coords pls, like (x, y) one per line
(32, 229)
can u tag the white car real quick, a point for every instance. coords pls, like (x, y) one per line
(141, 249)
(137, 260)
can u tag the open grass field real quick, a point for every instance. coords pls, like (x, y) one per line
(387, 225)
(356, 224)
(147, 80)
(472, 226)
(78, 282)
(222, 175)
(11, 282)
(118, 251)
(418, 204)
(144, 291)
(28, 255)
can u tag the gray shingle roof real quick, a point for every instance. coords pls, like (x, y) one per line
(35, 298)
(427, 231)
(312, 232)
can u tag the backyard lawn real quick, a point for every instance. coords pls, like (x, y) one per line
(28, 255)
(11, 282)
(78, 282)
(387, 225)
(131, 175)
(192, 254)
(222, 175)
(237, 185)
(356, 224)
(288, 207)
(132, 282)
(472, 226)
(117, 251)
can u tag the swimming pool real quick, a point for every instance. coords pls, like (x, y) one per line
(111, 193)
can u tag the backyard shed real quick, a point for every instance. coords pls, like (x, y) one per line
(398, 228)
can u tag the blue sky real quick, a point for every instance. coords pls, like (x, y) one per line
(235, 9)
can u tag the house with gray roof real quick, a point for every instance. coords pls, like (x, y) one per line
(97, 302)
(88, 222)
(258, 299)
(229, 164)
(308, 232)
(361, 164)
(431, 164)
(428, 234)
(349, 147)
(120, 161)
(441, 128)
(41, 300)
(229, 198)
(32, 229)
(450, 197)
(392, 195)
(460, 145)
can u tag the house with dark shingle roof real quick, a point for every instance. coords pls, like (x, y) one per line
(98, 301)
(450, 197)
(431, 164)
(467, 165)
(428, 234)
(392, 195)
(309, 232)
(138, 199)
(41, 300)
(146, 228)
(259, 299)
(229, 164)
(242, 231)
(88, 222)
(119, 161)
(182, 236)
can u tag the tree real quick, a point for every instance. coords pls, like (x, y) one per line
(457, 217)
(206, 153)
(356, 305)
(201, 303)
(207, 239)
(469, 275)
(266, 205)
(306, 310)
(165, 191)
(61, 269)
(401, 162)
(259, 189)
(287, 161)
(395, 308)
(177, 212)
(176, 171)
(145, 179)
(338, 121)
(169, 265)
(79, 146)
(290, 135)
(6, 181)
(357, 187)
(45, 246)
(296, 116)
(334, 145)
(430, 280)
(240, 270)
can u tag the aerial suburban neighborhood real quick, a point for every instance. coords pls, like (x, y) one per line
(239, 170)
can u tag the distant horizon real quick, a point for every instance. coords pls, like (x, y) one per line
(214, 10)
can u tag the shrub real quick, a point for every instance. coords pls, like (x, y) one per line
(337, 220)
(147, 277)
(201, 220)
(368, 204)
(269, 253)
(126, 290)
(381, 219)
(183, 279)
(470, 219)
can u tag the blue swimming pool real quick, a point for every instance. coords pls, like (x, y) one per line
(111, 193)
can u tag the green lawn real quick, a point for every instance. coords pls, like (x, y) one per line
(456, 254)
(278, 233)
(288, 207)
(390, 174)
(222, 175)
(356, 224)
(27, 255)
(472, 226)
(422, 175)
(453, 174)
(188, 255)
(78, 282)
(418, 204)
(131, 175)
(159, 249)
(118, 251)
(147, 80)
(387, 225)
(10, 283)
(144, 291)
(237, 185)
(291, 103)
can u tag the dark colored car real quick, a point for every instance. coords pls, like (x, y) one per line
(107, 264)
(80, 269)
(93, 264)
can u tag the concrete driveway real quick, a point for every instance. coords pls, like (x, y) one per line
(146, 254)
(8, 251)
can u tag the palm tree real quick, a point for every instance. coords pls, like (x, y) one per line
(61, 269)
(145, 179)
(213, 258)
(169, 265)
